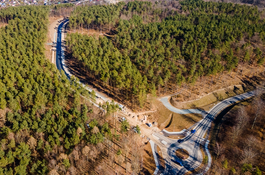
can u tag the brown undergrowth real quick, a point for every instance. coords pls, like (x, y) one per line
(235, 144)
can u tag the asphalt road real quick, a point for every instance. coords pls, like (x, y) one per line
(60, 57)
(166, 103)
(59, 49)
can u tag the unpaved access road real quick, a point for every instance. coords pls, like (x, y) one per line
(52, 37)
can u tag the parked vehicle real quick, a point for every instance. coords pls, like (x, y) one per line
(180, 141)
(177, 162)
(149, 124)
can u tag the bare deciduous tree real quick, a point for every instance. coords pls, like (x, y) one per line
(52, 163)
(21, 136)
(93, 152)
(74, 155)
(248, 155)
(11, 136)
(82, 166)
(242, 117)
(32, 142)
(95, 130)
(250, 141)
(219, 149)
(258, 107)
(85, 151)
(235, 132)
(111, 158)
(72, 170)
(53, 172)
(62, 156)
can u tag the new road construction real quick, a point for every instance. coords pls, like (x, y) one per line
(193, 142)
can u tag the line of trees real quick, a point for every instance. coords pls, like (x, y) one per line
(157, 47)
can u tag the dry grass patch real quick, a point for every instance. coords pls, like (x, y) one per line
(182, 154)
(172, 121)
(179, 122)
(200, 94)
(206, 102)
(89, 32)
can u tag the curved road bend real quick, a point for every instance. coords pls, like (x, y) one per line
(166, 103)
(60, 64)
(192, 141)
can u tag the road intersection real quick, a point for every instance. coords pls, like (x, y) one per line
(193, 143)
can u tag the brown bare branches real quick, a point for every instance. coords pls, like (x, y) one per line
(219, 149)
(241, 121)
(248, 155)
(258, 105)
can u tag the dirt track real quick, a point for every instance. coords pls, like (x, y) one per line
(53, 23)
(52, 29)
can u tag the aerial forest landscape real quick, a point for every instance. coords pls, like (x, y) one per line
(132, 87)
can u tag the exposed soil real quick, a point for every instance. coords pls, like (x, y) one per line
(53, 23)
(3, 24)
(52, 30)
(182, 154)
(3, 116)
(48, 52)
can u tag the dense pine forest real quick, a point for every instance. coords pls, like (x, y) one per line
(43, 118)
(151, 45)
